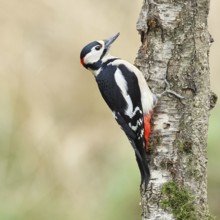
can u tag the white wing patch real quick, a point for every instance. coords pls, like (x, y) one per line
(134, 127)
(122, 84)
(141, 134)
(139, 122)
(136, 110)
(129, 111)
(147, 97)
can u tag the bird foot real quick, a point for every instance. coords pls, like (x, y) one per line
(167, 90)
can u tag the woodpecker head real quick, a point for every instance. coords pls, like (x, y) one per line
(92, 54)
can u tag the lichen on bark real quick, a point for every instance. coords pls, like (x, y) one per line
(175, 46)
(179, 200)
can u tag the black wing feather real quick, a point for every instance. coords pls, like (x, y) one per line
(116, 102)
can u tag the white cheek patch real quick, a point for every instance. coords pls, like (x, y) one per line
(94, 55)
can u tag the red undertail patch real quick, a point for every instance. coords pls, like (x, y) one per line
(147, 128)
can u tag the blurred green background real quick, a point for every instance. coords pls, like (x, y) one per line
(62, 156)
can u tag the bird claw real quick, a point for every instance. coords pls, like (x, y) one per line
(167, 90)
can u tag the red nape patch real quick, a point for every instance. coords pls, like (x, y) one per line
(147, 128)
(82, 61)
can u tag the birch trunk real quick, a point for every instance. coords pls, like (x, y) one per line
(175, 46)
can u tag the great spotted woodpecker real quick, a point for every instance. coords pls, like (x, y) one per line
(127, 94)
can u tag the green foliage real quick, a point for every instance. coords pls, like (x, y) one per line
(179, 201)
(210, 217)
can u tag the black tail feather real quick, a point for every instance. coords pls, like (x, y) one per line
(142, 161)
(141, 168)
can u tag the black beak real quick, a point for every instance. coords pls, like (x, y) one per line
(110, 40)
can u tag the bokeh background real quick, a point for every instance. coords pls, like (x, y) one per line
(62, 156)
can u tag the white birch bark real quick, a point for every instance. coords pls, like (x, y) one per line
(175, 46)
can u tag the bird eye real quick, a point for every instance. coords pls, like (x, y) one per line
(98, 47)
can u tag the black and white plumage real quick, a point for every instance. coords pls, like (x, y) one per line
(127, 94)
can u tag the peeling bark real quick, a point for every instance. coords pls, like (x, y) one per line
(175, 46)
